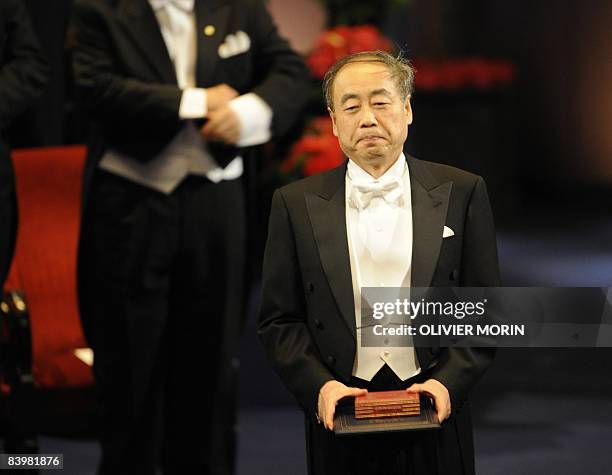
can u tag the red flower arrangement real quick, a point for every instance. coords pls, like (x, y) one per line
(333, 45)
(464, 73)
(317, 151)
(451, 74)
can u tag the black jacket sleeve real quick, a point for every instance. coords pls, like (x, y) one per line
(282, 330)
(137, 117)
(281, 77)
(23, 70)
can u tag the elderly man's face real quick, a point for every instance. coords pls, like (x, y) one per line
(370, 118)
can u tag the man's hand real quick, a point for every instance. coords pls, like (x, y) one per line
(438, 392)
(223, 125)
(329, 395)
(219, 95)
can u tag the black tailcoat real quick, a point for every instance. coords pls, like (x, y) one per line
(307, 321)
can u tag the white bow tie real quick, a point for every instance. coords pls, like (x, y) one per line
(185, 5)
(392, 191)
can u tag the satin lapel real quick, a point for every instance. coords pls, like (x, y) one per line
(209, 14)
(139, 22)
(327, 213)
(429, 208)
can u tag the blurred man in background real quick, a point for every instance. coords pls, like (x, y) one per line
(177, 89)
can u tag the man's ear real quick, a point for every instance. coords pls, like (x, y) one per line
(408, 108)
(333, 118)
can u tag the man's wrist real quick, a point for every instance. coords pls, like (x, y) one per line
(194, 103)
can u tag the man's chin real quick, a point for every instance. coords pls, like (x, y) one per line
(375, 153)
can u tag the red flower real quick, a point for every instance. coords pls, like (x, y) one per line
(322, 163)
(367, 38)
(322, 125)
(317, 151)
(333, 45)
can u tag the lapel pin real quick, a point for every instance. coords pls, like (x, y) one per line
(209, 30)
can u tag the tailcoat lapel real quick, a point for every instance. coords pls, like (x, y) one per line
(139, 22)
(429, 208)
(327, 213)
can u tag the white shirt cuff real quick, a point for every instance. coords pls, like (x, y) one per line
(194, 104)
(255, 119)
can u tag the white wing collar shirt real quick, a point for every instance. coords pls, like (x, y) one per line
(379, 231)
(187, 153)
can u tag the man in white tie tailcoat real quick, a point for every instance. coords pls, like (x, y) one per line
(382, 219)
(178, 90)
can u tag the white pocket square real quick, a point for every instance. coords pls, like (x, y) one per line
(448, 232)
(234, 44)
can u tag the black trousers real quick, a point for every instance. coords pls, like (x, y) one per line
(416, 453)
(161, 287)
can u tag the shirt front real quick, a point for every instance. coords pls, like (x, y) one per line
(188, 153)
(380, 249)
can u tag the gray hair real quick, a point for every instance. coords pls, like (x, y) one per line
(400, 68)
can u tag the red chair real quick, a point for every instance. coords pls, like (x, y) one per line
(48, 182)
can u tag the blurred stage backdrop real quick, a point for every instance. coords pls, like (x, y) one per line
(519, 92)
